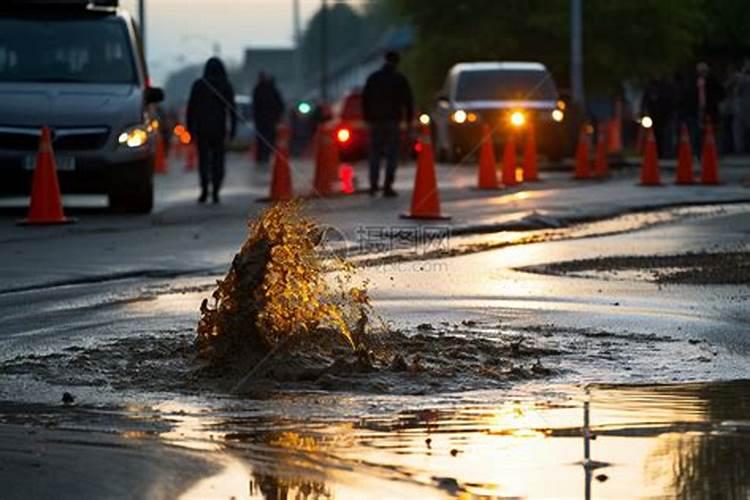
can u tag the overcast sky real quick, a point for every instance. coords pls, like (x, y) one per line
(180, 32)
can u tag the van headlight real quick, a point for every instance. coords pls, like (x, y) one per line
(133, 137)
(459, 116)
(558, 115)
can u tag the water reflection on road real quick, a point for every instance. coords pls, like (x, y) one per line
(684, 441)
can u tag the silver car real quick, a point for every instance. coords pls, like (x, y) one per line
(78, 68)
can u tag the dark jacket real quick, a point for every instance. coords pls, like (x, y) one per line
(387, 96)
(268, 105)
(689, 97)
(211, 104)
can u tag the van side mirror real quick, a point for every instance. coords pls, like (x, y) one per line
(153, 95)
(443, 102)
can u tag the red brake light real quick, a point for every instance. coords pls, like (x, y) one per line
(343, 135)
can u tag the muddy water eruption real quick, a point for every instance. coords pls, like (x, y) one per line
(278, 289)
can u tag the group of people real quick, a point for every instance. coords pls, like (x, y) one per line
(212, 118)
(699, 98)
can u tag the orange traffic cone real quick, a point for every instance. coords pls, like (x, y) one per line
(509, 161)
(326, 162)
(190, 155)
(487, 178)
(160, 160)
(46, 205)
(281, 178)
(650, 165)
(684, 158)
(582, 155)
(425, 200)
(709, 157)
(601, 165)
(530, 163)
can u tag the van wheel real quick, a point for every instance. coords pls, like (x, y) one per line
(137, 199)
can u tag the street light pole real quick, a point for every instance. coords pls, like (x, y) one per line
(142, 22)
(576, 54)
(324, 51)
(297, 49)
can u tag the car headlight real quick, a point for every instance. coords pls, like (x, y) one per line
(517, 119)
(558, 115)
(647, 122)
(459, 116)
(133, 137)
(424, 119)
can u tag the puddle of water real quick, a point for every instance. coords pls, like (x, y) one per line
(684, 441)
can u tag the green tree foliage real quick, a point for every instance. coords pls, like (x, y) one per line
(622, 38)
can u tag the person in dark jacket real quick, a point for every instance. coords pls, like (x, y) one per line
(658, 103)
(700, 96)
(210, 107)
(268, 108)
(386, 100)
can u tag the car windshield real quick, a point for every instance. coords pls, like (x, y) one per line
(94, 50)
(505, 85)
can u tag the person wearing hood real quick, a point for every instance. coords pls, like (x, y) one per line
(210, 111)
(386, 100)
(268, 108)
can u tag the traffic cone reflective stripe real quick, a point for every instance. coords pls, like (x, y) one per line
(650, 165)
(601, 165)
(487, 174)
(509, 161)
(425, 201)
(530, 163)
(709, 158)
(582, 170)
(281, 178)
(46, 204)
(684, 158)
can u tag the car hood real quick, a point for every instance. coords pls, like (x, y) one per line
(69, 105)
(478, 105)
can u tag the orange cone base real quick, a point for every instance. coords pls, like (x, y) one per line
(425, 217)
(46, 222)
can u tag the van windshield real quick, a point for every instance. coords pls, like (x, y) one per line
(94, 50)
(505, 85)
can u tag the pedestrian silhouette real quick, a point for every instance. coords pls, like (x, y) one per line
(210, 109)
(386, 100)
(268, 108)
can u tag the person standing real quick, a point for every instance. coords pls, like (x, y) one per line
(268, 108)
(658, 103)
(386, 100)
(210, 107)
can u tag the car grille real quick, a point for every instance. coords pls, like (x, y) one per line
(63, 139)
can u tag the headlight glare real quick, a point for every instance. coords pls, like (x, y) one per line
(133, 137)
(558, 115)
(459, 116)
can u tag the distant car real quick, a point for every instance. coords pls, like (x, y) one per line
(352, 132)
(77, 67)
(507, 96)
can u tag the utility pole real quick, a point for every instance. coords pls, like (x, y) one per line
(324, 51)
(576, 54)
(142, 23)
(297, 49)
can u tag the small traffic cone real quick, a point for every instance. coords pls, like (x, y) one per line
(281, 178)
(601, 165)
(650, 165)
(160, 159)
(425, 200)
(509, 161)
(190, 155)
(709, 158)
(46, 205)
(530, 163)
(487, 175)
(582, 170)
(684, 158)
(326, 162)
